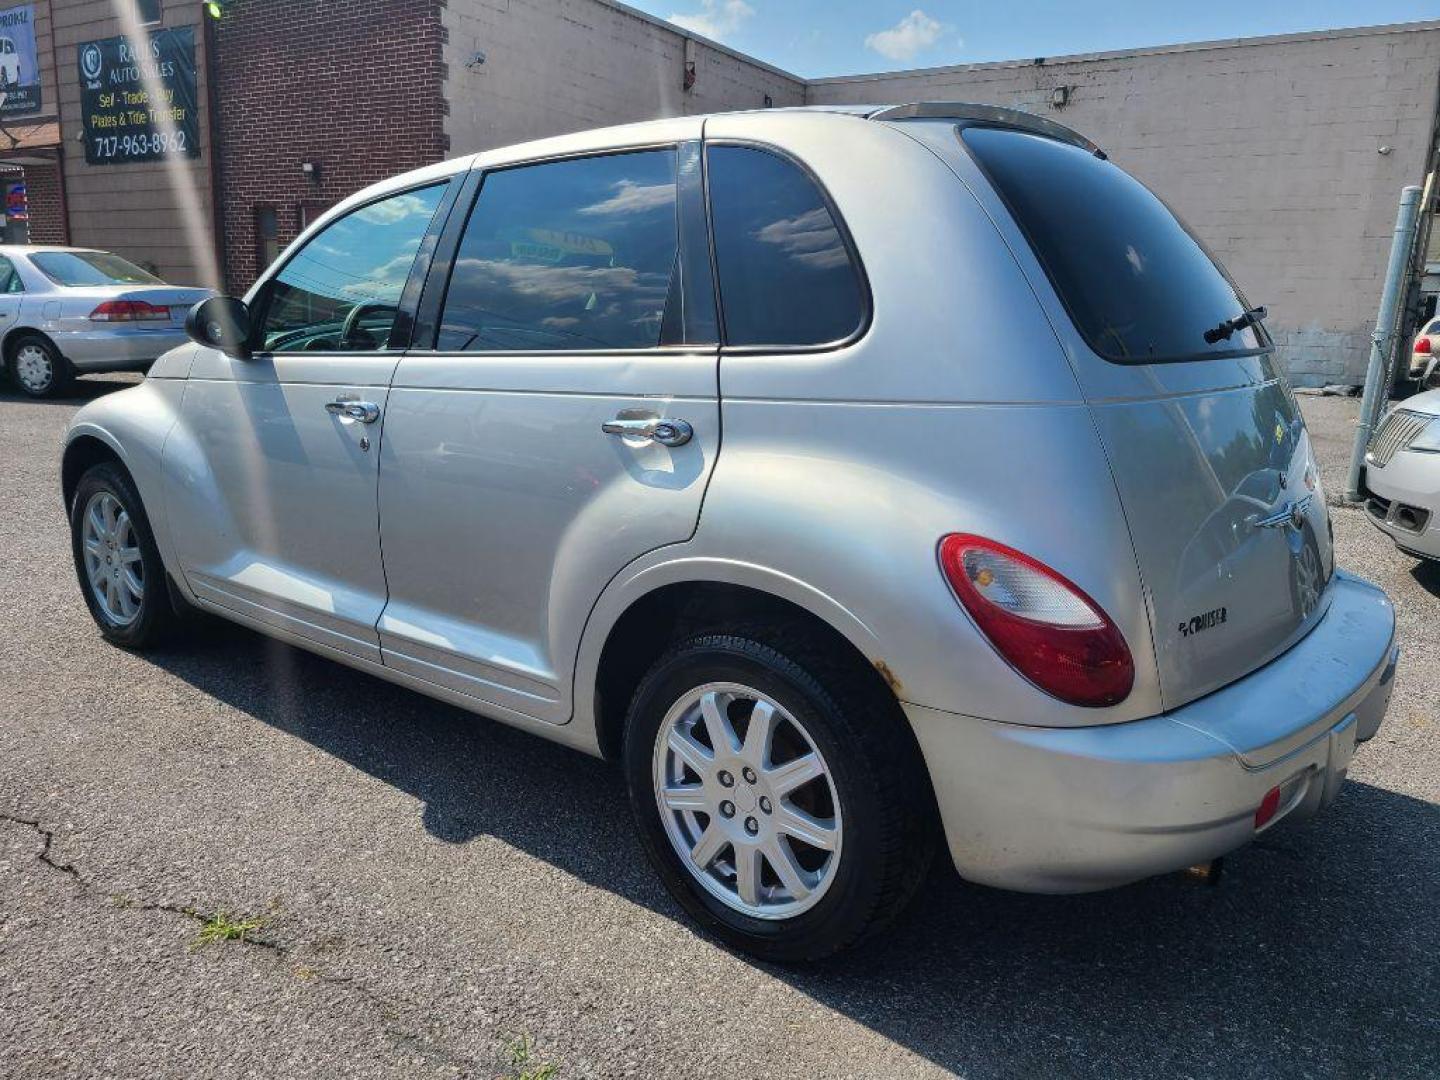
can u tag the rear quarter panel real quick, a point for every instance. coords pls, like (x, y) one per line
(842, 469)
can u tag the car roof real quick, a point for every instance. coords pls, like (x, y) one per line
(680, 128)
(31, 249)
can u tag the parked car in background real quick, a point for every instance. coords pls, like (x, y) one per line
(1425, 356)
(66, 311)
(1015, 536)
(1402, 475)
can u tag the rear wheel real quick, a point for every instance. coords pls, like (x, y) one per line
(780, 797)
(116, 560)
(37, 367)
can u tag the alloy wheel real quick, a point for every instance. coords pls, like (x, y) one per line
(1308, 583)
(113, 563)
(747, 800)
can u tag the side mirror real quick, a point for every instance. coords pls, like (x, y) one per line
(223, 323)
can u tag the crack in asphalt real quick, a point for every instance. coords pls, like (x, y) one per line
(400, 1037)
(120, 900)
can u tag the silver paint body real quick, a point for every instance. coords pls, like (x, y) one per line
(1411, 477)
(62, 313)
(515, 533)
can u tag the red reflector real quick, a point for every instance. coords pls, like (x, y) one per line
(1044, 626)
(129, 311)
(1422, 345)
(1268, 808)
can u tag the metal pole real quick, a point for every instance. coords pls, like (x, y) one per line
(1375, 376)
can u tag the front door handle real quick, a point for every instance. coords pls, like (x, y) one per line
(366, 412)
(664, 432)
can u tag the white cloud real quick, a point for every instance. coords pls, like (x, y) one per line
(718, 19)
(633, 198)
(910, 36)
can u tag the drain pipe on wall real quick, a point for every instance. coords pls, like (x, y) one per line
(1380, 341)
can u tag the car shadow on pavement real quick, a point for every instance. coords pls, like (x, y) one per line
(1427, 573)
(80, 392)
(1317, 954)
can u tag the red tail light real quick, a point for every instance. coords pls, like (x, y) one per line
(1046, 628)
(1269, 806)
(129, 311)
(1422, 345)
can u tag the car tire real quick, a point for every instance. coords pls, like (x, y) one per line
(118, 565)
(873, 792)
(36, 367)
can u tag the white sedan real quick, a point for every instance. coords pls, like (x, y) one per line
(68, 311)
(1402, 475)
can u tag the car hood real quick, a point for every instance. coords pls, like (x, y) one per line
(1428, 402)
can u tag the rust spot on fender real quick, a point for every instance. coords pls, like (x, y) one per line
(889, 677)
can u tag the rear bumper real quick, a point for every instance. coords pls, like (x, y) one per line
(1077, 809)
(117, 349)
(1407, 502)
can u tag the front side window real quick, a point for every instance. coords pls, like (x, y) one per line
(786, 274)
(566, 255)
(342, 290)
(75, 269)
(1137, 285)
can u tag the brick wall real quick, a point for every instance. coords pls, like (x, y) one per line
(46, 204)
(1269, 148)
(352, 86)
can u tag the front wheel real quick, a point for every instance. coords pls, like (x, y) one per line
(116, 560)
(779, 795)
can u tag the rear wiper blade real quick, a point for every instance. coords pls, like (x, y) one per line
(1253, 317)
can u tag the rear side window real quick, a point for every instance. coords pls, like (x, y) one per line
(786, 274)
(1433, 328)
(567, 255)
(1136, 284)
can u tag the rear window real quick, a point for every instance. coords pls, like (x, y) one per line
(1433, 328)
(786, 274)
(1136, 283)
(77, 268)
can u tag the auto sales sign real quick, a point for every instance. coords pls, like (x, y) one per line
(139, 97)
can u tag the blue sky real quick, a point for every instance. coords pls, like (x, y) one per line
(842, 37)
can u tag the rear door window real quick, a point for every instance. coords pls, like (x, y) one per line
(567, 255)
(787, 276)
(1136, 283)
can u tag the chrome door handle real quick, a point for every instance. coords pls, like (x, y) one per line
(664, 432)
(366, 412)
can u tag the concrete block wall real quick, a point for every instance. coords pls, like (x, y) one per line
(554, 66)
(1269, 148)
(131, 209)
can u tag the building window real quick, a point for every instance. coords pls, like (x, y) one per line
(267, 236)
(149, 10)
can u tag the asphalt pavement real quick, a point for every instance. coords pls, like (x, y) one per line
(400, 889)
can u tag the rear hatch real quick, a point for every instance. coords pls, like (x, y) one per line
(1205, 440)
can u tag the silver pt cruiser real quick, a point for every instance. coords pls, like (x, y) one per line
(860, 480)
